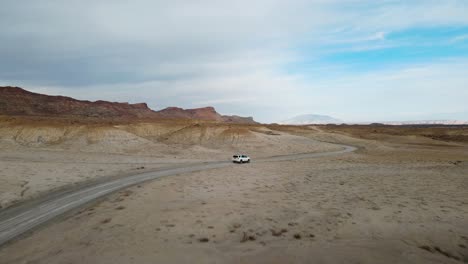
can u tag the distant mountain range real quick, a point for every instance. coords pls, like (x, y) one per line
(324, 119)
(311, 119)
(427, 122)
(15, 101)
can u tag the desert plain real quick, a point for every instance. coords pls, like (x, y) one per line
(401, 197)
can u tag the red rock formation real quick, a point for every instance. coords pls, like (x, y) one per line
(206, 113)
(17, 101)
(239, 119)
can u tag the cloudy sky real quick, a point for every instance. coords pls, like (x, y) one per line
(355, 60)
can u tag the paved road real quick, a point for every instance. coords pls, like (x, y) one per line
(21, 219)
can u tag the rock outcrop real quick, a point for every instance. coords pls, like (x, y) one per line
(15, 101)
(205, 113)
(239, 119)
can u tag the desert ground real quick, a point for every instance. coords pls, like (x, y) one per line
(37, 158)
(402, 197)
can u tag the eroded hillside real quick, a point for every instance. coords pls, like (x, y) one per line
(40, 155)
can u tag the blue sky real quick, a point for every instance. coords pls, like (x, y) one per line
(355, 60)
(385, 50)
(415, 45)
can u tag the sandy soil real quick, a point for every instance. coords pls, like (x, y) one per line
(389, 202)
(26, 174)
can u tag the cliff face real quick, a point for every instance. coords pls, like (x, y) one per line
(17, 101)
(239, 119)
(205, 113)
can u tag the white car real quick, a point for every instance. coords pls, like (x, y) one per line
(241, 158)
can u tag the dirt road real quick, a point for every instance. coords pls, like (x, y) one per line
(20, 219)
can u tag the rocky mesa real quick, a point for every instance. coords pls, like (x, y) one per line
(15, 101)
(19, 102)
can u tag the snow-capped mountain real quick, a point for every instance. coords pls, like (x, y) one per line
(311, 119)
(428, 122)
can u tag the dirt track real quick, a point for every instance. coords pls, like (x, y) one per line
(18, 220)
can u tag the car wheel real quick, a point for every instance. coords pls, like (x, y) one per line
(248, 161)
(241, 161)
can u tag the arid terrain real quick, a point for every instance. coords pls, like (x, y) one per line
(237, 132)
(400, 198)
(38, 157)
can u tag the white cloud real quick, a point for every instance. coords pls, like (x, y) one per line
(233, 54)
(459, 38)
(399, 93)
(378, 36)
